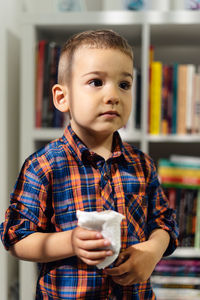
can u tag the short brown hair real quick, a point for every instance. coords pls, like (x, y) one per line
(99, 39)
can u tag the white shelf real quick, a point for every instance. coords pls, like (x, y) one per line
(177, 294)
(47, 134)
(186, 252)
(112, 17)
(175, 279)
(187, 138)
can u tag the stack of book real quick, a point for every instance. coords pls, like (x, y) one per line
(47, 57)
(174, 98)
(180, 172)
(180, 177)
(175, 277)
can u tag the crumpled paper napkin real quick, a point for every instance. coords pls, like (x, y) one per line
(108, 223)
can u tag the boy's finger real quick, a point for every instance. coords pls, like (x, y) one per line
(94, 244)
(95, 255)
(122, 258)
(85, 234)
(116, 271)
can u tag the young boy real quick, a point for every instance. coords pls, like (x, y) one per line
(90, 169)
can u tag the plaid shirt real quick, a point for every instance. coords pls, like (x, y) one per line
(65, 176)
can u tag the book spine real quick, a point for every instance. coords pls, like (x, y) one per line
(46, 96)
(197, 104)
(54, 50)
(182, 96)
(58, 117)
(179, 172)
(165, 99)
(155, 97)
(197, 227)
(189, 97)
(167, 94)
(174, 98)
(39, 83)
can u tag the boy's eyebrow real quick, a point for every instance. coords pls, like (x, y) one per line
(127, 74)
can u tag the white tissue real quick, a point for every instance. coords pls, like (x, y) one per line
(108, 223)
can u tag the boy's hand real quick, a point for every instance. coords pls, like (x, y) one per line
(89, 246)
(137, 263)
(134, 265)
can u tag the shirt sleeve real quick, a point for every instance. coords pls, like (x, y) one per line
(159, 214)
(27, 212)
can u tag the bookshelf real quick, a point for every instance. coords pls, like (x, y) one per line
(175, 36)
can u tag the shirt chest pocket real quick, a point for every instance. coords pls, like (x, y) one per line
(136, 213)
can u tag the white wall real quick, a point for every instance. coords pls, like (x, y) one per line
(9, 118)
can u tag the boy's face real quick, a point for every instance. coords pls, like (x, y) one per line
(100, 95)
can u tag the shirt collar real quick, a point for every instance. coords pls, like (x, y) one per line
(80, 151)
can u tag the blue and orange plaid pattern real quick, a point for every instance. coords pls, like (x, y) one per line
(65, 176)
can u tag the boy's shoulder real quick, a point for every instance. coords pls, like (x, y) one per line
(49, 151)
(48, 158)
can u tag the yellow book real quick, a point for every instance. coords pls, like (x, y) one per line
(155, 98)
(180, 172)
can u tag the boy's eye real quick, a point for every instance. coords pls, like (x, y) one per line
(96, 82)
(125, 85)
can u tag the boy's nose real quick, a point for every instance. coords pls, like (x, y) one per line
(111, 97)
(112, 100)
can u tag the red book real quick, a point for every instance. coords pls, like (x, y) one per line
(39, 83)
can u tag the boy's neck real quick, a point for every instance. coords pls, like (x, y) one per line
(101, 145)
(102, 151)
(96, 142)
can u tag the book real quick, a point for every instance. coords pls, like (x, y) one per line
(197, 228)
(189, 97)
(167, 98)
(46, 115)
(46, 122)
(39, 82)
(181, 181)
(174, 98)
(53, 74)
(177, 278)
(196, 104)
(184, 160)
(182, 96)
(180, 101)
(178, 174)
(155, 98)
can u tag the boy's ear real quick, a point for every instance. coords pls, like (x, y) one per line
(60, 97)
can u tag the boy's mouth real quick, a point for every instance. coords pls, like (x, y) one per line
(111, 113)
